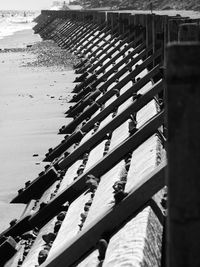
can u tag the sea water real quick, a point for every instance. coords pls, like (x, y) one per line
(13, 21)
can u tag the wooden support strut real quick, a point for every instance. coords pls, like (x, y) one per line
(71, 29)
(56, 29)
(121, 83)
(74, 39)
(64, 146)
(85, 33)
(65, 27)
(37, 187)
(49, 29)
(18, 229)
(96, 82)
(57, 35)
(114, 39)
(112, 158)
(42, 25)
(101, 31)
(73, 35)
(110, 221)
(111, 126)
(106, 32)
(101, 47)
(86, 37)
(121, 99)
(62, 37)
(61, 27)
(108, 73)
(111, 57)
(183, 113)
(82, 104)
(71, 126)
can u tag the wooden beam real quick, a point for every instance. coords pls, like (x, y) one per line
(111, 126)
(189, 32)
(122, 82)
(121, 99)
(61, 148)
(183, 113)
(101, 167)
(110, 221)
(37, 187)
(18, 229)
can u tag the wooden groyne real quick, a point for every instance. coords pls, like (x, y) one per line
(101, 199)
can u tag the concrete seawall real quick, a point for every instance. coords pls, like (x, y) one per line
(100, 200)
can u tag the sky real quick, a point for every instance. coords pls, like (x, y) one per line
(25, 4)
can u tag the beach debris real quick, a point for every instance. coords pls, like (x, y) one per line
(92, 182)
(102, 247)
(119, 193)
(48, 54)
(35, 155)
(27, 183)
(57, 226)
(42, 256)
(13, 222)
(49, 238)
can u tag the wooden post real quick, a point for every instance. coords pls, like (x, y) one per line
(189, 32)
(183, 118)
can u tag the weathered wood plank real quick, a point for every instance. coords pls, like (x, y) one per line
(110, 221)
(112, 158)
(183, 113)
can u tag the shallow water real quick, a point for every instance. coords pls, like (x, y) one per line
(13, 21)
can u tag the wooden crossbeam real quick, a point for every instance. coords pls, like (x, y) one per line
(18, 229)
(121, 83)
(100, 116)
(85, 37)
(74, 34)
(110, 221)
(82, 104)
(102, 166)
(93, 83)
(101, 31)
(37, 187)
(115, 38)
(90, 28)
(112, 59)
(111, 126)
(121, 99)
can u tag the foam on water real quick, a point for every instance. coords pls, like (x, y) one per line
(13, 21)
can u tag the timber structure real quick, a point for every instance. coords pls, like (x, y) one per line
(101, 199)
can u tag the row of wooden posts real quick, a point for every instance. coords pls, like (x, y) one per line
(181, 62)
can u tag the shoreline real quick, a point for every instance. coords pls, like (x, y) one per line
(33, 101)
(19, 39)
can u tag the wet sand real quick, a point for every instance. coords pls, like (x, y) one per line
(32, 105)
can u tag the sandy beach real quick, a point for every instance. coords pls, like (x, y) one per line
(33, 98)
